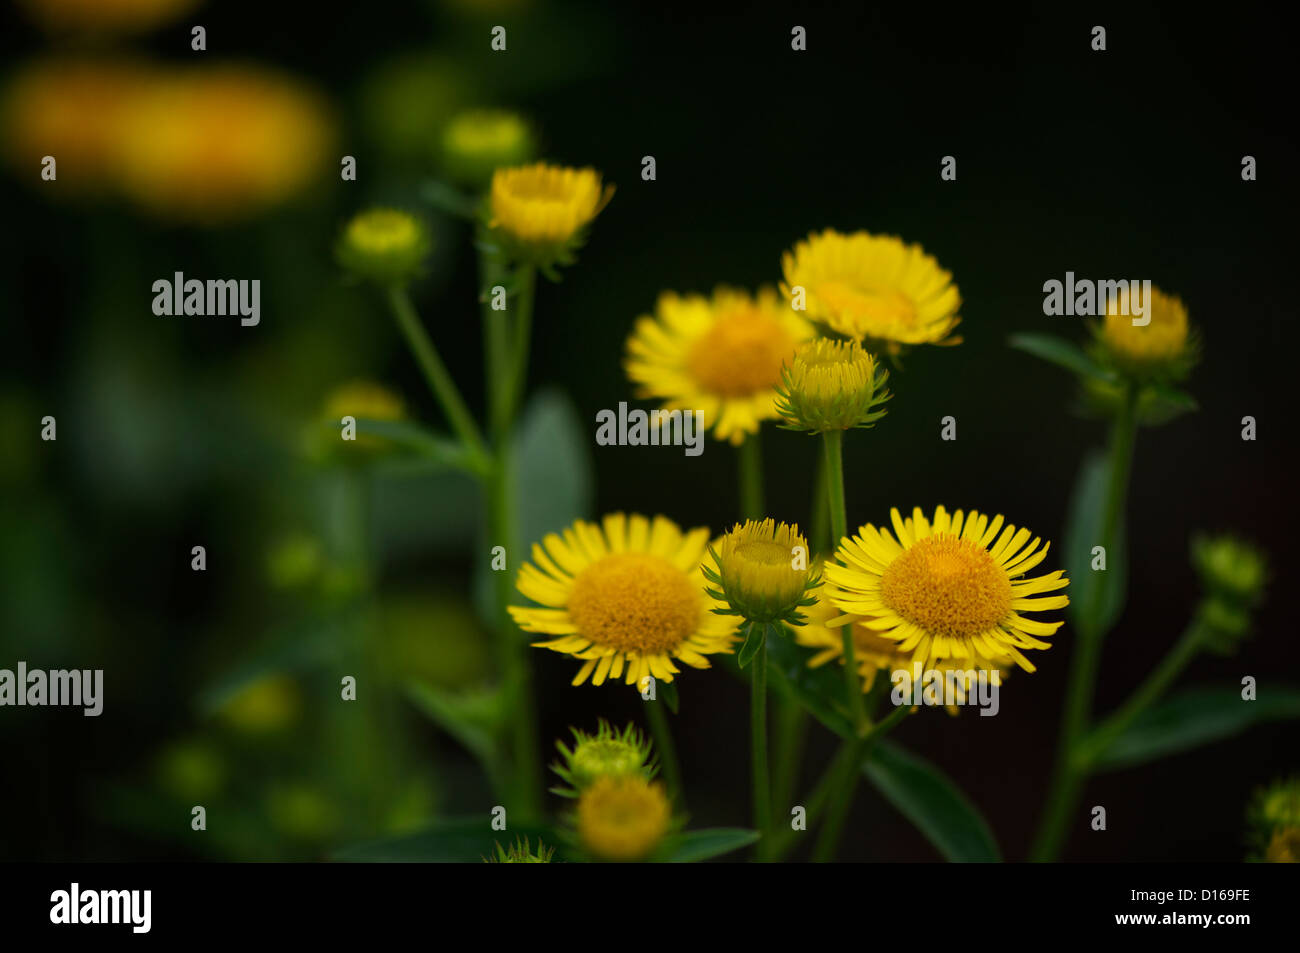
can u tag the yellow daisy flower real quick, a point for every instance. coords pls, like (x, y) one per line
(1283, 846)
(215, 144)
(1164, 346)
(626, 597)
(623, 818)
(873, 653)
(540, 211)
(721, 355)
(126, 16)
(952, 588)
(873, 288)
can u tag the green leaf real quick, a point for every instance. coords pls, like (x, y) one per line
(1195, 717)
(820, 690)
(552, 481)
(694, 846)
(755, 636)
(472, 718)
(432, 446)
(456, 840)
(938, 808)
(1161, 403)
(1061, 352)
(1082, 533)
(554, 484)
(449, 199)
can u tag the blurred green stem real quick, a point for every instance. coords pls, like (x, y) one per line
(507, 363)
(842, 780)
(435, 372)
(662, 733)
(751, 478)
(787, 752)
(1069, 773)
(525, 291)
(819, 524)
(834, 441)
(758, 739)
(1146, 694)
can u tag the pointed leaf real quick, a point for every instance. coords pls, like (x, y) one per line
(1082, 533)
(755, 636)
(1196, 717)
(930, 800)
(1062, 352)
(694, 846)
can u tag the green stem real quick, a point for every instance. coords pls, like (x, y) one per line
(826, 785)
(834, 441)
(787, 751)
(819, 524)
(1155, 685)
(758, 739)
(662, 733)
(1068, 773)
(751, 478)
(503, 359)
(525, 292)
(845, 783)
(435, 372)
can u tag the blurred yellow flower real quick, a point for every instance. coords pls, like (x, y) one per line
(214, 145)
(872, 288)
(360, 400)
(263, 706)
(541, 211)
(626, 597)
(70, 109)
(478, 142)
(385, 245)
(119, 16)
(1283, 846)
(720, 355)
(623, 818)
(1163, 346)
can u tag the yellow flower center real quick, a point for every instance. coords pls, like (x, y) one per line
(635, 602)
(382, 231)
(479, 132)
(874, 313)
(1163, 337)
(741, 354)
(948, 586)
(623, 818)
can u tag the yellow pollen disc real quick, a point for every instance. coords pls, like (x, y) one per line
(869, 311)
(741, 354)
(765, 553)
(948, 586)
(635, 602)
